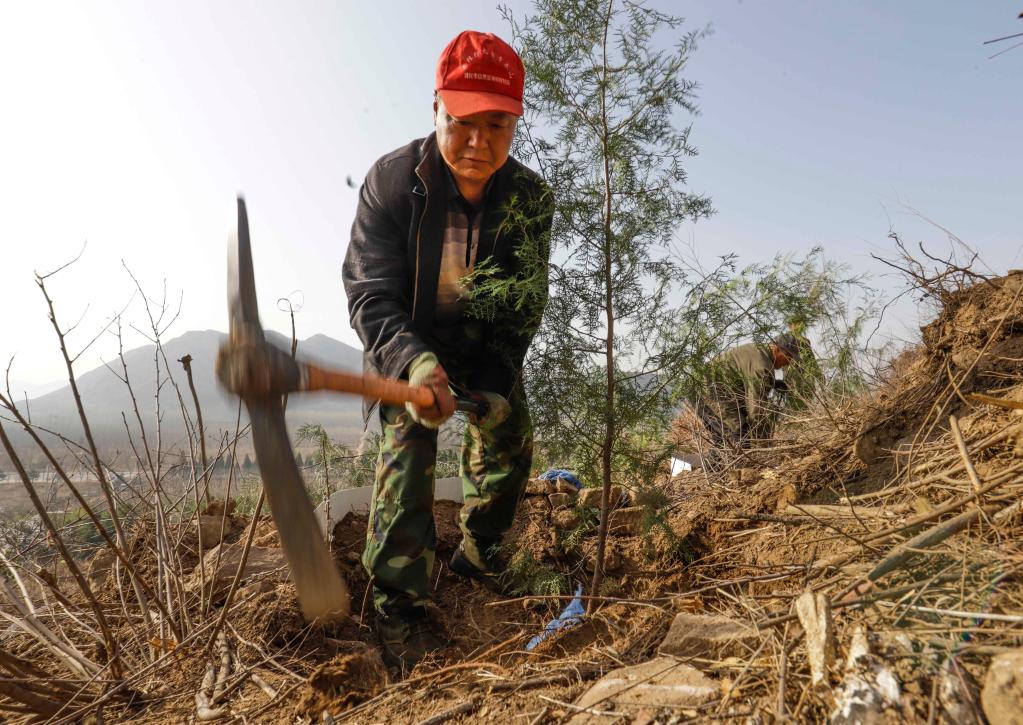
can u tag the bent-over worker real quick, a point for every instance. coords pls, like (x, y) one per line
(735, 409)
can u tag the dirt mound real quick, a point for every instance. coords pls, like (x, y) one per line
(346, 680)
(974, 345)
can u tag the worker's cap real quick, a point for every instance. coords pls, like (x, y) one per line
(479, 72)
(788, 344)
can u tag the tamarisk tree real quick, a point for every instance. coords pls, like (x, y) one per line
(603, 104)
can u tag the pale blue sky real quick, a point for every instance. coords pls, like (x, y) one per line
(132, 125)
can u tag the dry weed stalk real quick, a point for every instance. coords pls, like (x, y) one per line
(72, 651)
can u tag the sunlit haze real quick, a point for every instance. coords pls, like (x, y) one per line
(130, 126)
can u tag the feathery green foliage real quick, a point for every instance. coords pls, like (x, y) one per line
(632, 320)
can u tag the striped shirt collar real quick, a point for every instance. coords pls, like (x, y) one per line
(454, 194)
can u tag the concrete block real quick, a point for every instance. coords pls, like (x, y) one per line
(708, 637)
(657, 684)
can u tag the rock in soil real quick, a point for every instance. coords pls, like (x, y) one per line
(959, 694)
(1003, 689)
(540, 487)
(627, 521)
(565, 519)
(814, 613)
(590, 497)
(217, 507)
(559, 500)
(210, 527)
(870, 691)
(657, 684)
(563, 486)
(260, 561)
(708, 637)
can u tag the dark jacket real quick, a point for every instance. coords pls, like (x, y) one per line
(392, 266)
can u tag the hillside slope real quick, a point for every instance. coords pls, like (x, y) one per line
(864, 567)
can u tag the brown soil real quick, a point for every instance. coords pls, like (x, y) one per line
(730, 544)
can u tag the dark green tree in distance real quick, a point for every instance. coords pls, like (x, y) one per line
(340, 466)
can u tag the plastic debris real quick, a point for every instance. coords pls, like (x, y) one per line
(869, 688)
(569, 617)
(814, 613)
(554, 474)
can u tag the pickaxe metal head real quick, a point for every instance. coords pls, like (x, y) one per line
(321, 591)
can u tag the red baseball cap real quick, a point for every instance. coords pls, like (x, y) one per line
(479, 72)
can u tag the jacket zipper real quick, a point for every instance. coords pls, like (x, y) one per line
(419, 232)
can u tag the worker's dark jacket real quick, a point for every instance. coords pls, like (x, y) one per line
(392, 266)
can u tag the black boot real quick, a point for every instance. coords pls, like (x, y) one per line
(406, 635)
(476, 562)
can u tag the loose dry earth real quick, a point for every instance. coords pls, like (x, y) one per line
(864, 568)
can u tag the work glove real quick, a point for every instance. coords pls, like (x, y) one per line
(427, 372)
(497, 409)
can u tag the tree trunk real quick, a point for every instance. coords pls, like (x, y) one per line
(609, 400)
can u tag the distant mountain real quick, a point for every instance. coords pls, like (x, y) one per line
(21, 388)
(106, 398)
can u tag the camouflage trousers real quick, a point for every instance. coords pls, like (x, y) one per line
(724, 424)
(401, 539)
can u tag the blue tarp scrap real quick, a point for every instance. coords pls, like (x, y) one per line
(569, 617)
(554, 474)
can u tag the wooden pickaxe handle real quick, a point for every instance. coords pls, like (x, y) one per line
(374, 387)
(263, 370)
(377, 387)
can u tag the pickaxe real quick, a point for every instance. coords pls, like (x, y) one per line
(260, 373)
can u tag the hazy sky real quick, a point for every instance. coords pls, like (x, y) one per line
(131, 125)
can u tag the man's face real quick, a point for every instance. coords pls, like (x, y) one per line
(474, 147)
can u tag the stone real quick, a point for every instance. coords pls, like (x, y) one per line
(653, 685)
(870, 692)
(591, 497)
(210, 528)
(566, 518)
(216, 507)
(537, 487)
(627, 521)
(1002, 696)
(261, 560)
(563, 486)
(708, 636)
(100, 566)
(559, 500)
